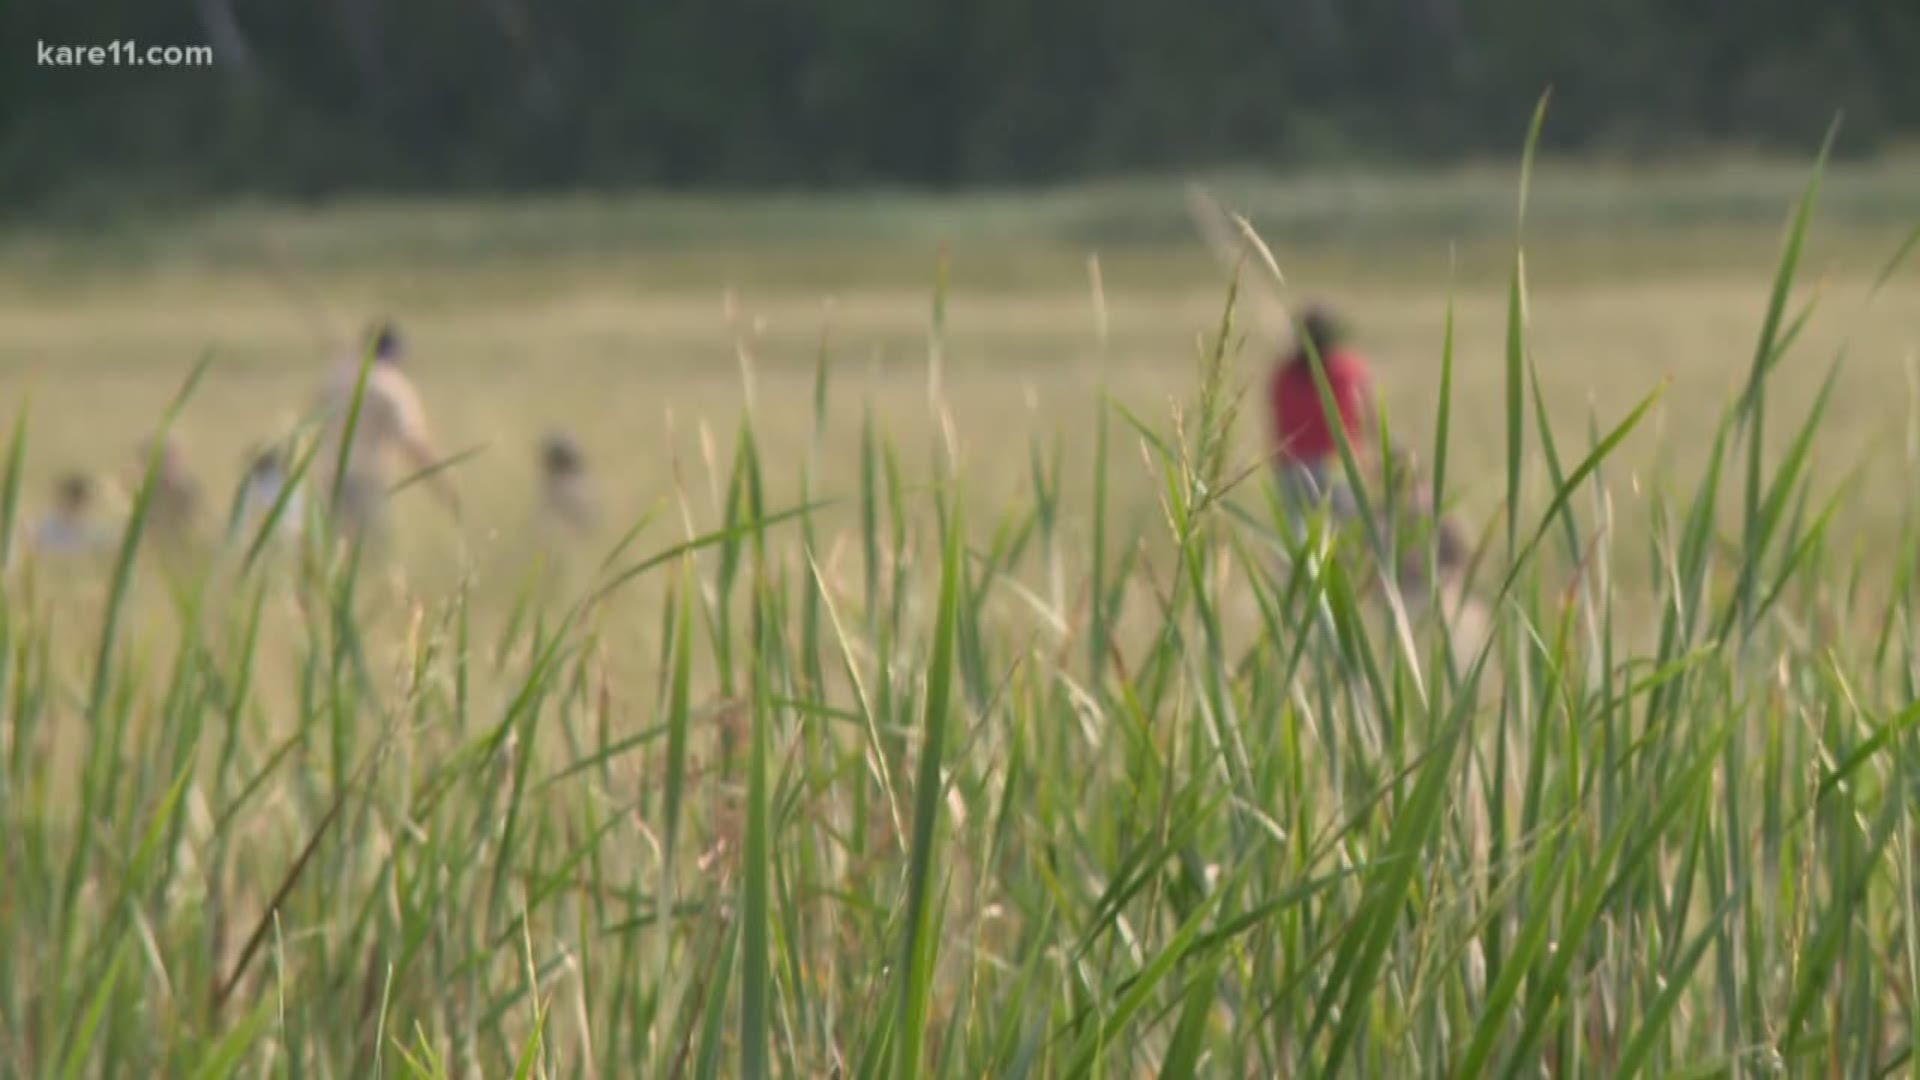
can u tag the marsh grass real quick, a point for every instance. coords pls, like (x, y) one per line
(878, 783)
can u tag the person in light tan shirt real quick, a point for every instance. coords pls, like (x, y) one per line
(392, 424)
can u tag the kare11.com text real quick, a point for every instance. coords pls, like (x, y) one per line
(125, 53)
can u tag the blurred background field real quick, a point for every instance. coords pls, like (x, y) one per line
(636, 321)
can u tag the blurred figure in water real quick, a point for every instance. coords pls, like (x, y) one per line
(568, 508)
(392, 422)
(70, 529)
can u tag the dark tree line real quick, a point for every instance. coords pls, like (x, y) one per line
(310, 97)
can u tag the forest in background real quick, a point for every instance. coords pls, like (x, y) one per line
(335, 97)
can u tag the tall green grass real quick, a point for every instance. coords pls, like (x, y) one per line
(869, 785)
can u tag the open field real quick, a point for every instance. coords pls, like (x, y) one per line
(1008, 756)
(613, 317)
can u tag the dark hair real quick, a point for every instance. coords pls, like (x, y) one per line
(267, 459)
(1319, 327)
(560, 454)
(384, 341)
(75, 490)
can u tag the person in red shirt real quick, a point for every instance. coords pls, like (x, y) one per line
(1305, 451)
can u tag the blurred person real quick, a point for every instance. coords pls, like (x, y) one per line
(567, 504)
(1425, 525)
(1440, 587)
(392, 423)
(174, 505)
(260, 492)
(1306, 452)
(70, 527)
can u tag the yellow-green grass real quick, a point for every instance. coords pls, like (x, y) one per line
(915, 811)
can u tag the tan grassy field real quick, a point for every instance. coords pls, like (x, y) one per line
(622, 323)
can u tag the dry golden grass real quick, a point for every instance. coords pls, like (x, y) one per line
(637, 350)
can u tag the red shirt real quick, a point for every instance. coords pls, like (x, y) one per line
(1301, 432)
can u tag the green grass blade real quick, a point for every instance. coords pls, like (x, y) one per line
(920, 942)
(756, 986)
(105, 744)
(1516, 349)
(1899, 258)
(10, 487)
(530, 1053)
(349, 428)
(80, 1045)
(1380, 908)
(1653, 1024)
(1516, 353)
(1574, 479)
(1140, 989)
(1766, 353)
(1819, 961)
(1443, 414)
(1188, 1044)
(712, 1007)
